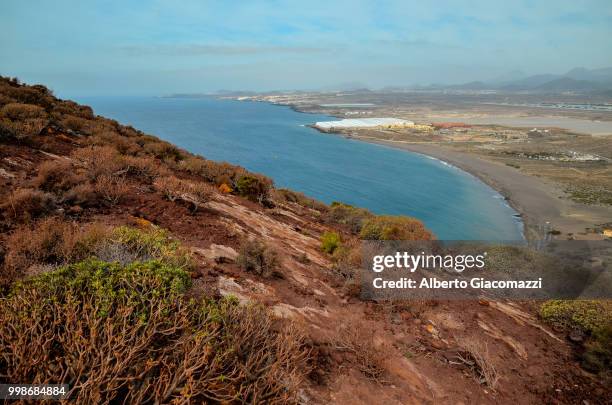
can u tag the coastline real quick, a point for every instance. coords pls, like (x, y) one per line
(539, 203)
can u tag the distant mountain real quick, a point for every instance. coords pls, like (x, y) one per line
(508, 77)
(595, 75)
(347, 86)
(568, 84)
(577, 80)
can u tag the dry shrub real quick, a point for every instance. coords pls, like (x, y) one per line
(175, 189)
(76, 124)
(21, 112)
(475, 356)
(144, 168)
(50, 242)
(347, 262)
(69, 107)
(358, 341)
(103, 136)
(111, 189)
(351, 217)
(163, 150)
(258, 258)
(99, 161)
(290, 196)
(125, 334)
(388, 227)
(215, 172)
(21, 121)
(83, 194)
(24, 204)
(57, 176)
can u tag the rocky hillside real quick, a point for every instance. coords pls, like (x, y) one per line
(135, 271)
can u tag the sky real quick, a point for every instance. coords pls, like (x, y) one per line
(88, 48)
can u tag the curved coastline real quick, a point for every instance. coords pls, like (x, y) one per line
(542, 206)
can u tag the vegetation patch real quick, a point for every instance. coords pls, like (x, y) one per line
(258, 258)
(330, 241)
(387, 227)
(126, 334)
(592, 317)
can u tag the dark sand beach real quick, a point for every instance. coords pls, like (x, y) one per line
(538, 202)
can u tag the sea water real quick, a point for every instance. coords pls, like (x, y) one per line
(276, 141)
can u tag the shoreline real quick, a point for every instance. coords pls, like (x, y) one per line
(540, 204)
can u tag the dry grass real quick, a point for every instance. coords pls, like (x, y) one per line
(194, 193)
(358, 341)
(24, 204)
(49, 242)
(57, 176)
(475, 356)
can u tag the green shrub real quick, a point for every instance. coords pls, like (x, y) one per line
(153, 243)
(387, 227)
(254, 187)
(95, 325)
(592, 317)
(330, 241)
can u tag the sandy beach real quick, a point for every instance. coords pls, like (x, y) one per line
(537, 201)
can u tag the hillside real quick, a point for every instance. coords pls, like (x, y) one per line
(136, 271)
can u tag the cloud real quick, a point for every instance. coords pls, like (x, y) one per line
(224, 50)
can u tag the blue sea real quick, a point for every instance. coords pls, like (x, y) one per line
(274, 140)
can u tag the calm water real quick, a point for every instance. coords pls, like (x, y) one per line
(273, 140)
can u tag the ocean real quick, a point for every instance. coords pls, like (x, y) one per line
(274, 140)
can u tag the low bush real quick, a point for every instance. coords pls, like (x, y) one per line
(111, 189)
(152, 243)
(151, 345)
(164, 151)
(175, 189)
(57, 176)
(330, 241)
(386, 227)
(99, 161)
(24, 205)
(591, 317)
(358, 342)
(254, 187)
(286, 195)
(144, 169)
(351, 217)
(256, 257)
(50, 242)
(347, 262)
(83, 195)
(22, 112)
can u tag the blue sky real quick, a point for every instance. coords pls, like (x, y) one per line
(82, 48)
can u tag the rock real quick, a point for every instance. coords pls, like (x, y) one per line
(576, 336)
(219, 253)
